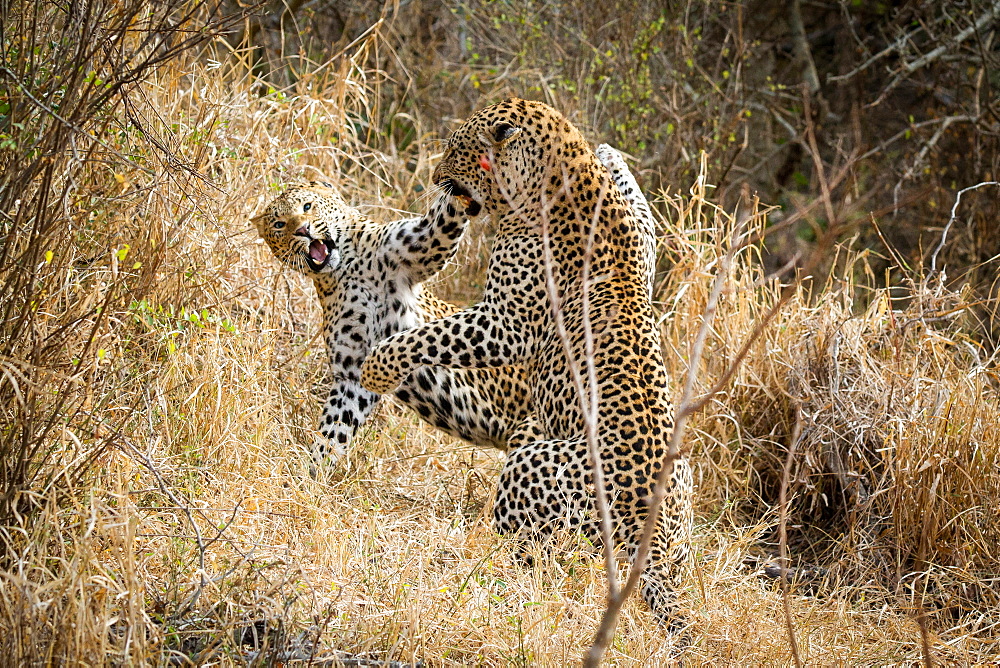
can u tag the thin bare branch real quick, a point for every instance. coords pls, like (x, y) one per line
(954, 215)
(802, 50)
(683, 415)
(960, 118)
(928, 58)
(898, 45)
(609, 620)
(147, 462)
(989, 15)
(587, 394)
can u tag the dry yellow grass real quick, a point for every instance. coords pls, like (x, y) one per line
(197, 518)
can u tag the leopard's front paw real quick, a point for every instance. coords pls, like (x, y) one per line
(381, 373)
(326, 451)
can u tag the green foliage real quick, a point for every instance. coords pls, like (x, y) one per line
(171, 325)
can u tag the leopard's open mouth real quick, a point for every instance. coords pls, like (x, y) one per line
(319, 253)
(453, 188)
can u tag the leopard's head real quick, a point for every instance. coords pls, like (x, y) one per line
(505, 154)
(303, 227)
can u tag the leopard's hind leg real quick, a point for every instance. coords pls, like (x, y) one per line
(549, 483)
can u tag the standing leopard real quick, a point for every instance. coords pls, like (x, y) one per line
(555, 208)
(368, 278)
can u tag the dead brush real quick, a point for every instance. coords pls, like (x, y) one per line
(894, 404)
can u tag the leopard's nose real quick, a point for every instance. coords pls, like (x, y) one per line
(302, 231)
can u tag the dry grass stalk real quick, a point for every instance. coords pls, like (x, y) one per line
(842, 471)
(783, 542)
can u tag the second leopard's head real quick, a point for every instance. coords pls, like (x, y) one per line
(504, 155)
(304, 227)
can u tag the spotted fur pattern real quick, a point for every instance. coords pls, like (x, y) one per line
(369, 286)
(532, 171)
(369, 280)
(620, 174)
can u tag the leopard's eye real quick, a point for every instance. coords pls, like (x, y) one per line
(278, 224)
(306, 206)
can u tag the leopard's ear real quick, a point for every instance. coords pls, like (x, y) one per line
(258, 220)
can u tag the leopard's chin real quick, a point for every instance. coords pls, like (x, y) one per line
(472, 207)
(456, 190)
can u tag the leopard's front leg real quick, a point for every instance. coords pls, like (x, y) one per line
(421, 247)
(476, 338)
(347, 407)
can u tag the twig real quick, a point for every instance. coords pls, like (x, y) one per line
(802, 52)
(589, 408)
(931, 56)
(148, 463)
(758, 329)
(925, 638)
(683, 414)
(230, 541)
(909, 68)
(824, 185)
(268, 513)
(689, 406)
(802, 212)
(588, 399)
(72, 126)
(695, 406)
(914, 126)
(895, 46)
(954, 214)
(931, 143)
(593, 446)
(609, 620)
(338, 659)
(783, 536)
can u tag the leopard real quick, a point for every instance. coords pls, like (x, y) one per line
(370, 279)
(567, 297)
